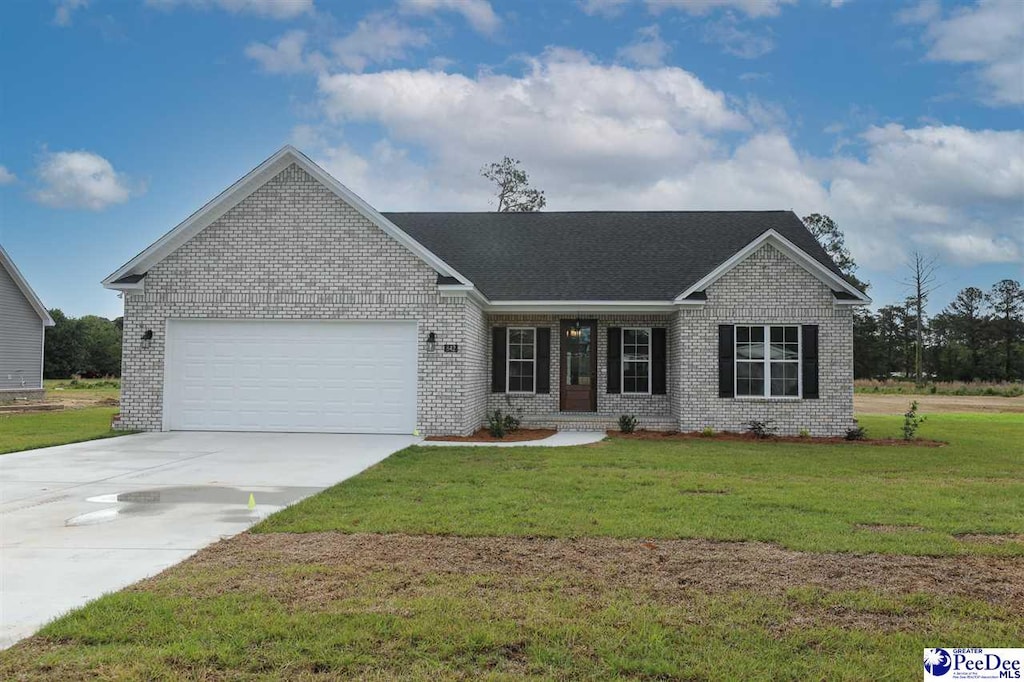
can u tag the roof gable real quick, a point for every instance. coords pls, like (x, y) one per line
(26, 290)
(128, 275)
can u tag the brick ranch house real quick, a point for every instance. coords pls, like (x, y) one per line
(288, 303)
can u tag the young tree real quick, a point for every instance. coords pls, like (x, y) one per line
(831, 238)
(921, 283)
(1007, 300)
(512, 187)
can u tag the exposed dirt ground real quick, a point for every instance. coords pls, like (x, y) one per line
(872, 403)
(663, 569)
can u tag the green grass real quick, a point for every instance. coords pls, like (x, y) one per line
(806, 497)
(43, 429)
(387, 625)
(82, 389)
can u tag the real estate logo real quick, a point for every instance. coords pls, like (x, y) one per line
(973, 664)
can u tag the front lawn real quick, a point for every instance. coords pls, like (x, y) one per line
(573, 563)
(846, 498)
(43, 429)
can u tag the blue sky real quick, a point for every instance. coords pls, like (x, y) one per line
(903, 122)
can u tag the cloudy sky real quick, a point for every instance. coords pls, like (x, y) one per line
(905, 123)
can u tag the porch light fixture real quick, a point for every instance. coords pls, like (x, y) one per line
(431, 342)
(147, 338)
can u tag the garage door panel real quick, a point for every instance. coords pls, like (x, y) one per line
(291, 376)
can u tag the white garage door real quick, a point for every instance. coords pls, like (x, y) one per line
(332, 377)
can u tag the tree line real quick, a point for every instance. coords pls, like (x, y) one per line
(88, 346)
(979, 336)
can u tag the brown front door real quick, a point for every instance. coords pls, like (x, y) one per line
(578, 348)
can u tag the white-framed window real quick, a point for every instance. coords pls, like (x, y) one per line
(636, 359)
(521, 359)
(768, 361)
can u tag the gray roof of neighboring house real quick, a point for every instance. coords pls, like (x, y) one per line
(596, 255)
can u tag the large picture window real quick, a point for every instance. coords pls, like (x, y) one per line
(768, 361)
(522, 359)
(636, 360)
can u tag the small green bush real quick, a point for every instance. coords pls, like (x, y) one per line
(804, 433)
(708, 432)
(762, 429)
(499, 425)
(912, 422)
(856, 432)
(627, 423)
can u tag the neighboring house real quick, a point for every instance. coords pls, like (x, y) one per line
(289, 304)
(23, 320)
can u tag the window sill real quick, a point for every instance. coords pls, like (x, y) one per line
(766, 399)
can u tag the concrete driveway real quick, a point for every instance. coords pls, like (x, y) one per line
(80, 520)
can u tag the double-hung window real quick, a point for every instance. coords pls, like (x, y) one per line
(636, 360)
(768, 361)
(522, 359)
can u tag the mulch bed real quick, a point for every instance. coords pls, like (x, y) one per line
(750, 438)
(484, 436)
(665, 570)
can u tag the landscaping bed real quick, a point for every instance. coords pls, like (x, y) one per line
(749, 437)
(484, 436)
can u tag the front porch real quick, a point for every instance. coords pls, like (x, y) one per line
(581, 373)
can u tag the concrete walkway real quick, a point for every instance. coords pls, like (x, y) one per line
(558, 439)
(80, 520)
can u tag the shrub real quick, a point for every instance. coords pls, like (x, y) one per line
(804, 433)
(856, 433)
(911, 422)
(499, 425)
(761, 429)
(707, 432)
(627, 423)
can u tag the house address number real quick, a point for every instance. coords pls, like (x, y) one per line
(451, 348)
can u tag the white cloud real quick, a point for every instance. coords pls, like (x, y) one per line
(605, 136)
(286, 55)
(648, 49)
(605, 8)
(988, 35)
(79, 179)
(478, 13)
(272, 9)
(6, 176)
(929, 184)
(377, 39)
(737, 41)
(65, 9)
(975, 247)
(752, 8)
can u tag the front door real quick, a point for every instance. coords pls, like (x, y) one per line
(578, 348)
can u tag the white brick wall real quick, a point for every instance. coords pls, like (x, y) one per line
(765, 288)
(293, 250)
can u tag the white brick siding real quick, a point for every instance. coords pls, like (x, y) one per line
(765, 288)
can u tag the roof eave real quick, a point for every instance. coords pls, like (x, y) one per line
(26, 289)
(798, 255)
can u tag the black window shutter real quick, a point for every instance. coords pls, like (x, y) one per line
(614, 360)
(498, 359)
(543, 360)
(726, 368)
(658, 353)
(809, 344)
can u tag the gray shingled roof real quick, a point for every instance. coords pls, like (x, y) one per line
(609, 256)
